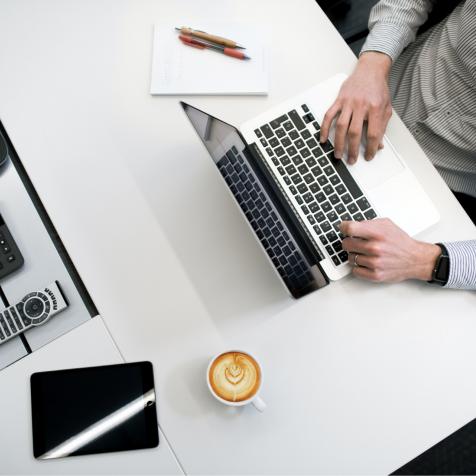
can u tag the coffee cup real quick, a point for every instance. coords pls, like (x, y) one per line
(235, 378)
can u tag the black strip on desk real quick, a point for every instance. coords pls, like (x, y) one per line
(456, 454)
(48, 224)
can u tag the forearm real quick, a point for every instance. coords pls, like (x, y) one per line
(462, 273)
(393, 25)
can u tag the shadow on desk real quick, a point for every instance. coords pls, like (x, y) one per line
(213, 241)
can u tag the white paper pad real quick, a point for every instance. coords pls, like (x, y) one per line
(181, 69)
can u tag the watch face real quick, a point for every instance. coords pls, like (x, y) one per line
(443, 269)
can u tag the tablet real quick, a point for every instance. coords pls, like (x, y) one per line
(93, 410)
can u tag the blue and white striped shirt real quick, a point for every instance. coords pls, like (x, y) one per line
(433, 87)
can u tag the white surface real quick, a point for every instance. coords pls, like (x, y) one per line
(15, 418)
(360, 378)
(181, 69)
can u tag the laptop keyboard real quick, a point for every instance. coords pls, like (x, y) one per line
(321, 186)
(264, 219)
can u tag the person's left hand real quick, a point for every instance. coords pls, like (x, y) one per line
(380, 251)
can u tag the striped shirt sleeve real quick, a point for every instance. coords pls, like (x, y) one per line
(393, 25)
(462, 264)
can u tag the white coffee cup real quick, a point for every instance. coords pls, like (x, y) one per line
(255, 399)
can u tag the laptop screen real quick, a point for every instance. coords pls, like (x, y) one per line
(252, 192)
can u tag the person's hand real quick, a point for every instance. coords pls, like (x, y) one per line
(381, 251)
(363, 97)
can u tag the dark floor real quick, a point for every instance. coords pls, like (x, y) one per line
(350, 17)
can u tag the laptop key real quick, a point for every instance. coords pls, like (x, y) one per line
(314, 187)
(291, 170)
(332, 216)
(358, 217)
(305, 210)
(293, 134)
(322, 180)
(323, 161)
(294, 116)
(340, 189)
(346, 177)
(345, 217)
(297, 160)
(328, 170)
(305, 152)
(335, 180)
(331, 236)
(314, 207)
(278, 121)
(323, 239)
(343, 256)
(287, 126)
(299, 143)
(293, 190)
(311, 162)
(334, 199)
(267, 131)
(305, 134)
(327, 189)
(258, 132)
(326, 206)
(319, 217)
(279, 151)
(285, 160)
(309, 178)
(336, 261)
(317, 152)
(303, 169)
(302, 188)
(316, 171)
(370, 214)
(347, 198)
(329, 249)
(320, 197)
(325, 226)
(296, 179)
(363, 203)
(291, 150)
(352, 207)
(308, 197)
(280, 132)
(340, 208)
(286, 141)
(273, 142)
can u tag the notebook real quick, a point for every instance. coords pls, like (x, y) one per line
(180, 69)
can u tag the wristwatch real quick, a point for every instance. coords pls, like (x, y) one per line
(441, 271)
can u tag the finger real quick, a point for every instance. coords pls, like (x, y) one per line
(356, 246)
(375, 133)
(355, 136)
(365, 273)
(367, 229)
(327, 121)
(342, 126)
(363, 261)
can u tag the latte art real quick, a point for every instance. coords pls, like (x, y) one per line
(235, 376)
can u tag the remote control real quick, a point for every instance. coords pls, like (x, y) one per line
(34, 309)
(10, 256)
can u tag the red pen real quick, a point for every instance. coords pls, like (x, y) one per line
(189, 41)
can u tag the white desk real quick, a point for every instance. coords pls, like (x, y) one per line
(359, 378)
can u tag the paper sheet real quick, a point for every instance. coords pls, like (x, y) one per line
(180, 69)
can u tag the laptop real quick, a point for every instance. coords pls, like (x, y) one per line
(294, 192)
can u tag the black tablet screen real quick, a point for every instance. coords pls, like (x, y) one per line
(93, 410)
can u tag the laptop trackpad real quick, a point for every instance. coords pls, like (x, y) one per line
(385, 165)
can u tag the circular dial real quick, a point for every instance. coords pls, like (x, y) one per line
(34, 307)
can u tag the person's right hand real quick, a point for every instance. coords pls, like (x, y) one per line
(363, 97)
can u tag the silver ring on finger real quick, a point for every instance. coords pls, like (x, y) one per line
(356, 265)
